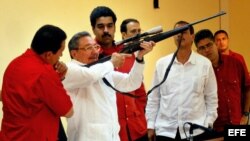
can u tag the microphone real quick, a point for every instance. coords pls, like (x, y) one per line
(151, 31)
(194, 126)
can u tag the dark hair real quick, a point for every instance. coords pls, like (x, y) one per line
(191, 28)
(101, 11)
(123, 27)
(220, 31)
(48, 38)
(203, 34)
(74, 41)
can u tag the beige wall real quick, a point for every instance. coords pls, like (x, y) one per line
(19, 20)
(239, 27)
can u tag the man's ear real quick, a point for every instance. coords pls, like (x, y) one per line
(193, 36)
(48, 54)
(73, 53)
(123, 35)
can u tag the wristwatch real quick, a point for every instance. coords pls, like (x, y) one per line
(139, 61)
(246, 114)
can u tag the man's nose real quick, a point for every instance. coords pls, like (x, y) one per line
(105, 29)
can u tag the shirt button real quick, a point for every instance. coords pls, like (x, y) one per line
(126, 118)
(126, 106)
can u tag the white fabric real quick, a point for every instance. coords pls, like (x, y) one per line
(95, 112)
(188, 95)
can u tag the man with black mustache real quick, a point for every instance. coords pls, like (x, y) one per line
(103, 21)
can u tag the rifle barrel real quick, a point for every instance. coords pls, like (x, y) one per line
(135, 46)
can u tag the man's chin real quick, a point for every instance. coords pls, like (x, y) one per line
(92, 60)
(107, 39)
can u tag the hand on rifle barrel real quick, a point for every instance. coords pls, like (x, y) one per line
(146, 48)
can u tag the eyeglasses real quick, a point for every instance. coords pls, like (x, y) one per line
(90, 48)
(208, 46)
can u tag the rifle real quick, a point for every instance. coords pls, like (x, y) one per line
(135, 45)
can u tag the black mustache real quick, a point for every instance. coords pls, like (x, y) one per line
(106, 34)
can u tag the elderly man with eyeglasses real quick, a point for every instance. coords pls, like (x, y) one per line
(96, 117)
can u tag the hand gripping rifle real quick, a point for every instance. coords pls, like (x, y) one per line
(133, 46)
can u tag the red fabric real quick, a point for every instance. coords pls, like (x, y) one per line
(237, 56)
(130, 110)
(33, 100)
(232, 79)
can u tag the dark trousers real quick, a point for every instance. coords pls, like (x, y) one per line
(61, 134)
(201, 137)
(143, 138)
(177, 138)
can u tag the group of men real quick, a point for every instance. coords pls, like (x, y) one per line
(210, 87)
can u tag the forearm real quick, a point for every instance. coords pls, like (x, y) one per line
(211, 97)
(132, 81)
(245, 115)
(78, 76)
(247, 101)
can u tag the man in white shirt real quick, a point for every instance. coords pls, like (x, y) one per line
(189, 93)
(95, 117)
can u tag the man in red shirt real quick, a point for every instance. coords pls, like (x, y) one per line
(129, 28)
(32, 93)
(130, 111)
(232, 79)
(221, 40)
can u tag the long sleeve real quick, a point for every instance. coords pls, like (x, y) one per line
(128, 82)
(211, 97)
(78, 76)
(153, 104)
